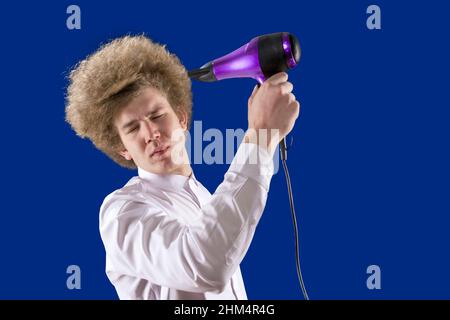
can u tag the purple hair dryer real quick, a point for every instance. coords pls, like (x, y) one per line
(259, 59)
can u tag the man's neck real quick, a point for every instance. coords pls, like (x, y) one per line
(184, 171)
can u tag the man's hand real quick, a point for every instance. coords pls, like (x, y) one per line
(272, 107)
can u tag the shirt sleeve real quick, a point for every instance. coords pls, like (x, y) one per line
(143, 241)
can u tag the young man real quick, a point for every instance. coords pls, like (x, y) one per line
(165, 235)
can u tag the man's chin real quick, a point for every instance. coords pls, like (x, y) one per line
(163, 166)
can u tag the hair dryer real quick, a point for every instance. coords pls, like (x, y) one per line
(259, 59)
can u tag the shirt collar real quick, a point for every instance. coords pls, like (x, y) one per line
(167, 181)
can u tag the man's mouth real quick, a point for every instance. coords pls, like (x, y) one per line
(159, 151)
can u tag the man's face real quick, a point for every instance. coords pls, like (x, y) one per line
(152, 134)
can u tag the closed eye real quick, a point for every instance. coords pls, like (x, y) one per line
(153, 118)
(132, 129)
(159, 116)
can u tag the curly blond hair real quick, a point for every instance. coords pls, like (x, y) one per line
(103, 83)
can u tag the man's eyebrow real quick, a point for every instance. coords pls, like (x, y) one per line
(128, 124)
(132, 122)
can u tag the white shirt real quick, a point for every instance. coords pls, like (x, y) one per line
(167, 237)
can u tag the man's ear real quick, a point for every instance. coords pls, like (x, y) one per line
(124, 153)
(183, 119)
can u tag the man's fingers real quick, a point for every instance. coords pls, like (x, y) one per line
(296, 105)
(278, 78)
(286, 87)
(287, 98)
(250, 99)
(291, 97)
(254, 90)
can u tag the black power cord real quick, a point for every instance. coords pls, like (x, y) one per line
(283, 156)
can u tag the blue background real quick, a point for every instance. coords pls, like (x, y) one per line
(369, 165)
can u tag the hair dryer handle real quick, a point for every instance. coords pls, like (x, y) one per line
(282, 144)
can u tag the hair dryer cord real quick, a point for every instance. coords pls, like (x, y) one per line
(294, 220)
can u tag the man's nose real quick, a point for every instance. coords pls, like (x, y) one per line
(151, 131)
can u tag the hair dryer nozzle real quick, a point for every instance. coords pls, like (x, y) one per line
(205, 73)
